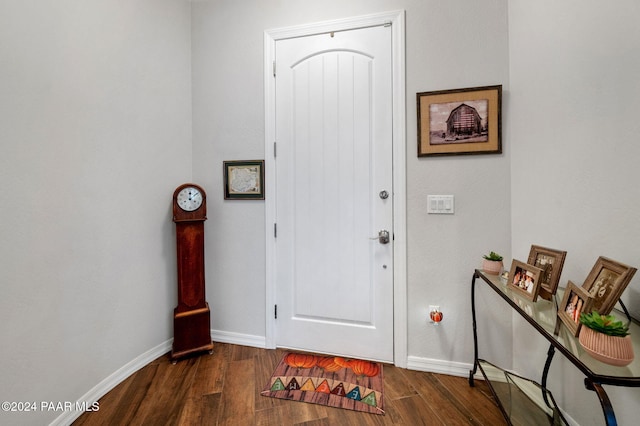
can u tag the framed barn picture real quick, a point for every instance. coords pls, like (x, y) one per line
(460, 121)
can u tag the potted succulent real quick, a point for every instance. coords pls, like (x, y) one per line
(492, 263)
(606, 339)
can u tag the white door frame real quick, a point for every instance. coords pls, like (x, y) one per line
(396, 19)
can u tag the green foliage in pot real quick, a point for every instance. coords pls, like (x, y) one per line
(605, 324)
(493, 256)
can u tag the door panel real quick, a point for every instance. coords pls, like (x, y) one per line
(334, 141)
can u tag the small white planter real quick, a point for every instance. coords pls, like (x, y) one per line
(492, 267)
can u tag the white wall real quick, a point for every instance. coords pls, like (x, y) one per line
(574, 131)
(451, 44)
(95, 134)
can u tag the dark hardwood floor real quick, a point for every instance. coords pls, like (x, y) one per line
(224, 389)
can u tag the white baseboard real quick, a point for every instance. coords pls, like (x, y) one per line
(451, 368)
(102, 388)
(238, 339)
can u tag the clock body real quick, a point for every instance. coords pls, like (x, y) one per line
(191, 317)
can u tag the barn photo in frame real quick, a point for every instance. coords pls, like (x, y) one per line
(460, 121)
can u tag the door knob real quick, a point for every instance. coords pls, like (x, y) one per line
(383, 236)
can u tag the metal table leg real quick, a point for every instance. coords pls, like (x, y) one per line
(607, 408)
(545, 373)
(475, 333)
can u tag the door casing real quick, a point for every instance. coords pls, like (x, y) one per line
(396, 20)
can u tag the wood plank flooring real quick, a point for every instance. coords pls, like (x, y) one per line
(224, 389)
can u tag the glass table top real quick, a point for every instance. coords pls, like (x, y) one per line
(542, 314)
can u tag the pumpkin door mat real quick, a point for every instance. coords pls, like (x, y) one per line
(339, 382)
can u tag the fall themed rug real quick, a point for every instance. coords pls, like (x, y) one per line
(334, 381)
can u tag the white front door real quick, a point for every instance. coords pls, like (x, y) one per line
(334, 190)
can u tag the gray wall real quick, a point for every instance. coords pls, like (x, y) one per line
(95, 133)
(574, 129)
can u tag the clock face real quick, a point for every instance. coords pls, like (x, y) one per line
(189, 199)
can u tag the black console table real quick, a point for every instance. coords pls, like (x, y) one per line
(521, 398)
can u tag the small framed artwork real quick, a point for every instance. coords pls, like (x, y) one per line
(460, 121)
(551, 262)
(244, 180)
(525, 279)
(575, 301)
(606, 282)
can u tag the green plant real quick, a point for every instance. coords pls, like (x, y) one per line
(606, 324)
(493, 256)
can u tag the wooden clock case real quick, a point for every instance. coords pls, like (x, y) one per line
(191, 318)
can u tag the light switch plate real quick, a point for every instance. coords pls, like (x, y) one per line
(440, 204)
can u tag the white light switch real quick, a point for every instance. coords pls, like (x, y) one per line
(440, 204)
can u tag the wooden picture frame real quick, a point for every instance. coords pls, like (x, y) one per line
(551, 262)
(525, 279)
(606, 282)
(576, 301)
(460, 121)
(244, 180)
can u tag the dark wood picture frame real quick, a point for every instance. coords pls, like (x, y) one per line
(551, 262)
(575, 301)
(460, 121)
(606, 282)
(244, 180)
(525, 279)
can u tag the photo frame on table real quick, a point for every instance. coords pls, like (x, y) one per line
(576, 301)
(460, 121)
(606, 282)
(525, 279)
(551, 262)
(244, 180)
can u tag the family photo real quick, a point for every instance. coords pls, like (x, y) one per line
(523, 280)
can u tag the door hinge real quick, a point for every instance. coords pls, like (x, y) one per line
(275, 151)
(275, 311)
(275, 230)
(274, 68)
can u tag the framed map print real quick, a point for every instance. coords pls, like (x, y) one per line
(244, 180)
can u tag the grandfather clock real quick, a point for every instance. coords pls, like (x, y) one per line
(191, 318)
